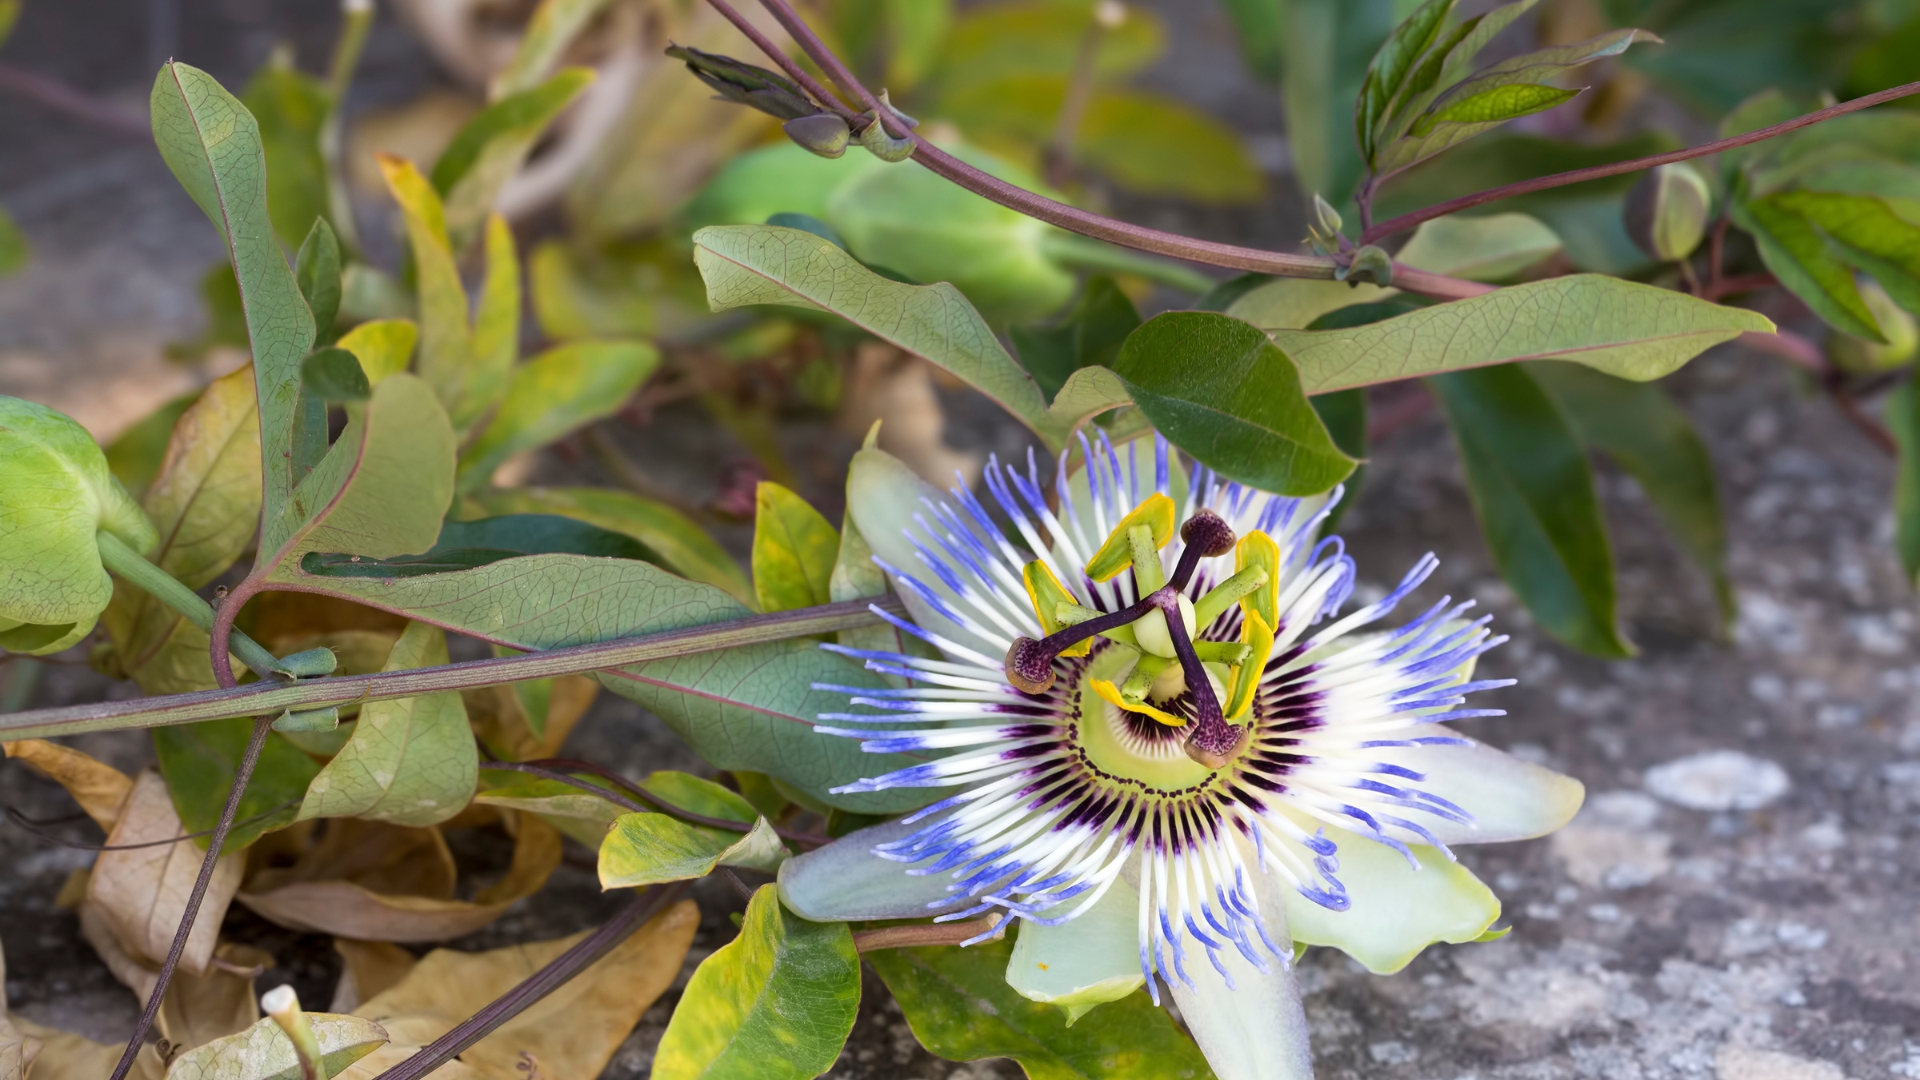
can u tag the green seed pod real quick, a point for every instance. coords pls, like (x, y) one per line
(55, 495)
(823, 133)
(1863, 357)
(1667, 211)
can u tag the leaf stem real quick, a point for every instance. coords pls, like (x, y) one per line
(241, 777)
(1598, 172)
(275, 698)
(134, 568)
(645, 904)
(1037, 206)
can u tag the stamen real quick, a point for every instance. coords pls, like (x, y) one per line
(1206, 535)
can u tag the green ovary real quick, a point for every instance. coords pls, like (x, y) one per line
(1110, 746)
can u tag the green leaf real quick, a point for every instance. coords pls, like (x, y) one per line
(1259, 27)
(1807, 264)
(1533, 493)
(1487, 248)
(1296, 303)
(746, 265)
(1387, 74)
(775, 1003)
(383, 347)
(562, 389)
(382, 489)
(200, 762)
(464, 545)
(486, 153)
(783, 178)
(927, 228)
(1871, 234)
(960, 1007)
(412, 761)
(751, 707)
(793, 550)
(291, 108)
(1327, 44)
(989, 42)
(647, 849)
(212, 145)
(13, 246)
(1903, 419)
(1089, 337)
(334, 375)
(552, 28)
(1489, 98)
(683, 546)
(1634, 331)
(264, 1052)
(1344, 412)
(1218, 389)
(1639, 426)
(317, 272)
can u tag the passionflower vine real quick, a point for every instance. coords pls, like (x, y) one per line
(1167, 753)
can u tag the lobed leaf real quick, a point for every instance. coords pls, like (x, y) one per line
(213, 146)
(1534, 496)
(960, 1007)
(1622, 328)
(776, 1003)
(1219, 389)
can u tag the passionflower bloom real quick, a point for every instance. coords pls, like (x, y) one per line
(1164, 749)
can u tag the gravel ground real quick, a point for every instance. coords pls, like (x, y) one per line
(1745, 916)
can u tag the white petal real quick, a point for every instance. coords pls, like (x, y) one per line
(1085, 961)
(1397, 910)
(1257, 1030)
(883, 495)
(846, 881)
(1509, 799)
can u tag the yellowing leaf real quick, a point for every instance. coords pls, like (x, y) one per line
(264, 1052)
(646, 849)
(794, 548)
(410, 761)
(98, 787)
(572, 1032)
(446, 339)
(383, 346)
(775, 1003)
(143, 891)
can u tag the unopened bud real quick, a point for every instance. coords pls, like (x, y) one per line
(1666, 212)
(1370, 263)
(823, 133)
(1864, 357)
(884, 146)
(1323, 226)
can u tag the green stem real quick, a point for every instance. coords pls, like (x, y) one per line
(164, 587)
(274, 698)
(1079, 251)
(283, 1005)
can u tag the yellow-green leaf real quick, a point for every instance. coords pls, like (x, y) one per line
(646, 849)
(446, 339)
(794, 548)
(410, 761)
(383, 346)
(560, 390)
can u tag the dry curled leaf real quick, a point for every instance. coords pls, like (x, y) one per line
(142, 891)
(499, 717)
(98, 787)
(199, 1007)
(66, 1056)
(17, 1049)
(380, 882)
(573, 1032)
(370, 969)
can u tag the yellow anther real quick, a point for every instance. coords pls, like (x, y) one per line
(1110, 692)
(1157, 513)
(1258, 637)
(1048, 596)
(1258, 549)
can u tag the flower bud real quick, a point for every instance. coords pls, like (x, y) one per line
(1369, 263)
(1667, 211)
(823, 133)
(1897, 325)
(55, 495)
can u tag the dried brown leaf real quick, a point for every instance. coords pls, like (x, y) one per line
(199, 1007)
(573, 1032)
(370, 969)
(353, 886)
(66, 1056)
(500, 718)
(98, 787)
(142, 891)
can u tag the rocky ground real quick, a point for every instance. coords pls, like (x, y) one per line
(1745, 915)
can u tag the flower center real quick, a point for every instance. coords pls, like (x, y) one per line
(1127, 744)
(1150, 656)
